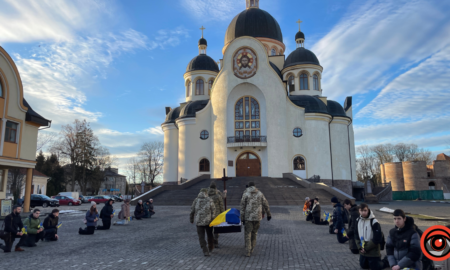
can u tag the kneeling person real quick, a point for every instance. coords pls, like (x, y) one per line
(34, 229)
(51, 226)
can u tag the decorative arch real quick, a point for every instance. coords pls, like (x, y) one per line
(246, 166)
(247, 119)
(199, 87)
(431, 185)
(19, 80)
(317, 81)
(298, 165)
(267, 48)
(304, 79)
(291, 82)
(210, 84)
(204, 165)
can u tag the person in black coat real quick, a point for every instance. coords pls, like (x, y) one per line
(338, 220)
(106, 215)
(352, 211)
(150, 208)
(316, 212)
(309, 217)
(13, 228)
(139, 212)
(51, 226)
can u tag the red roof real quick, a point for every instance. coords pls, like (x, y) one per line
(442, 157)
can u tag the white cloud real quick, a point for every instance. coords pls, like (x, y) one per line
(422, 92)
(155, 130)
(58, 20)
(368, 47)
(213, 10)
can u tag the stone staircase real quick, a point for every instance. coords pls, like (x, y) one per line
(278, 191)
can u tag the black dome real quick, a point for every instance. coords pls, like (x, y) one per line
(301, 56)
(312, 104)
(335, 109)
(253, 22)
(299, 35)
(202, 41)
(202, 62)
(189, 110)
(172, 115)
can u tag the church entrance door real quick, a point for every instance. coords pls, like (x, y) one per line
(248, 164)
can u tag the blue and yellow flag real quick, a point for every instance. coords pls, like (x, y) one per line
(344, 233)
(362, 242)
(327, 216)
(114, 212)
(59, 225)
(24, 230)
(40, 225)
(230, 216)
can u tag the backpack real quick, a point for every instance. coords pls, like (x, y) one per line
(427, 264)
(382, 243)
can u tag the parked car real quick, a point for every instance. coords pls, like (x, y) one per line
(100, 199)
(67, 200)
(83, 199)
(70, 194)
(117, 198)
(42, 200)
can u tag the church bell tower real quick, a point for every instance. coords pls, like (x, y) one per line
(252, 3)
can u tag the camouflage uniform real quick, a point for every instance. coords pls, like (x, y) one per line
(218, 203)
(253, 204)
(202, 212)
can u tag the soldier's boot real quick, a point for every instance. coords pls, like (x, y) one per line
(248, 254)
(205, 252)
(253, 245)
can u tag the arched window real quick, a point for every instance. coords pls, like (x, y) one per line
(316, 82)
(273, 52)
(188, 89)
(204, 165)
(304, 81)
(210, 84)
(297, 132)
(299, 163)
(204, 135)
(199, 87)
(1, 89)
(431, 186)
(291, 83)
(247, 119)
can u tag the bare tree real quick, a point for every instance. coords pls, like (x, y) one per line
(16, 177)
(405, 152)
(132, 171)
(384, 152)
(45, 138)
(152, 156)
(367, 165)
(423, 155)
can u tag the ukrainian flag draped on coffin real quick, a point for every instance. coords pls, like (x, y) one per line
(227, 222)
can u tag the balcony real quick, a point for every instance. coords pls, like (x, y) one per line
(247, 141)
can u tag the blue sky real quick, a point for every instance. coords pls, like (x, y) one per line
(119, 63)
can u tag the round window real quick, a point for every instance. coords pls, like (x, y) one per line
(298, 132)
(204, 135)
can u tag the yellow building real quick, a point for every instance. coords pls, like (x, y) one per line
(19, 127)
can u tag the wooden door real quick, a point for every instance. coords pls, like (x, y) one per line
(248, 164)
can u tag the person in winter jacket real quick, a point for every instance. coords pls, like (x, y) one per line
(309, 217)
(51, 226)
(202, 212)
(151, 210)
(139, 210)
(316, 213)
(215, 196)
(338, 220)
(306, 207)
(253, 204)
(91, 220)
(106, 215)
(13, 229)
(403, 243)
(34, 229)
(352, 211)
(124, 214)
(368, 237)
(146, 209)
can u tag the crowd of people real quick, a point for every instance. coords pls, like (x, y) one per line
(209, 204)
(32, 230)
(358, 226)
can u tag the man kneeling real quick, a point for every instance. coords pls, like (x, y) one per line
(34, 229)
(51, 226)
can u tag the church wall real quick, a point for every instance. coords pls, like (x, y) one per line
(272, 88)
(349, 113)
(340, 149)
(296, 146)
(170, 173)
(193, 76)
(297, 71)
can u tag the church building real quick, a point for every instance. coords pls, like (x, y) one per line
(260, 113)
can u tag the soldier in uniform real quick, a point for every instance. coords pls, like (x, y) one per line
(253, 205)
(202, 212)
(216, 197)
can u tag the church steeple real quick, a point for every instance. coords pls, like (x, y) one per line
(300, 37)
(252, 4)
(202, 44)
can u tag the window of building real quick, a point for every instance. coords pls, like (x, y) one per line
(204, 135)
(199, 87)
(210, 84)
(1, 89)
(291, 83)
(431, 186)
(297, 132)
(273, 52)
(304, 82)
(247, 123)
(299, 163)
(316, 82)
(204, 165)
(1, 181)
(11, 132)
(188, 89)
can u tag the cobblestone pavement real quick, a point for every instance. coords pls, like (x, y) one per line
(169, 241)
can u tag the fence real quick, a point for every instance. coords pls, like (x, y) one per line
(416, 194)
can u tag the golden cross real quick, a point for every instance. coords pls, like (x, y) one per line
(299, 22)
(203, 28)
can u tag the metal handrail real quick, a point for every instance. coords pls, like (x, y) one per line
(246, 138)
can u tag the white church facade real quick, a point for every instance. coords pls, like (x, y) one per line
(260, 114)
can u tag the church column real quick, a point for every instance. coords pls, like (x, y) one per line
(187, 163)
(170, 172)
(29, 180)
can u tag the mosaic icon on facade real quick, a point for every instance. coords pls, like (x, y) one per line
(245, 63)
